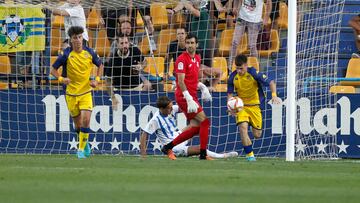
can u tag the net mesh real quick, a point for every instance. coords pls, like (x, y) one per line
(34, 116)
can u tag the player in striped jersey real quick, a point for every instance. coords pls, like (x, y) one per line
(163, 125)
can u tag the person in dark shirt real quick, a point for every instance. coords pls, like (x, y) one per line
(125, 65)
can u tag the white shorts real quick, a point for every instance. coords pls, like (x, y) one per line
(181, 149)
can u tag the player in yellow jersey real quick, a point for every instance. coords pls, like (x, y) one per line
(77, 62)
(248, 84)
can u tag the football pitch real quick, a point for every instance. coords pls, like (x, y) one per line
(107, 178)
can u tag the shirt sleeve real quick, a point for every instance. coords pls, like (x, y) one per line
(180, 65)
(96, 59)
(231, 83)
(151, 127)
(60, 61)
(260, 77)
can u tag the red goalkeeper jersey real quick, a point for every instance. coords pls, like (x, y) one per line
(190, 66)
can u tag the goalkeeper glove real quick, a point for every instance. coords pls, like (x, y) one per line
(192, 106)
(205, 94)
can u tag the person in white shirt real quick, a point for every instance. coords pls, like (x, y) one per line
(249, 15)
(74, 15)
(163, 125)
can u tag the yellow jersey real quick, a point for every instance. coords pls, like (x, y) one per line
(77, 67)
(249, 87)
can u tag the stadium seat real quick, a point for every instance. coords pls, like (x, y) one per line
(221, 88)
(5, 67)
(57, 21)
(93, 20)
(168, 87)
(164, 39)
(155, 63)
(226, 40)
(221, 63)
(139, 20)
(353, 71)
(101, 43)
(275, 44)
(4, 85)
(171, 67)
(252, 62)
(144, 46)
(221, 25)
(56, 41)
(159, 15)
(342, 89)
(283, 16)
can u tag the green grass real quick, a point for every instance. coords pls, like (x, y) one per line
(102, 178)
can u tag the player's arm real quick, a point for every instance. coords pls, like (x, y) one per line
(60, 61)
(274, 98)
(143, 144)
(94, 83)
(205, 94)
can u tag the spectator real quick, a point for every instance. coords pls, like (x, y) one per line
(355, 24)
(224, 6)
(199, 26)
(124, 29)
(110, 15)
(74, 15)
(125, 67)
(207, 75)
(250, 18)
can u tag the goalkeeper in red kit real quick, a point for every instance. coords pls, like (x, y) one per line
(187, 70)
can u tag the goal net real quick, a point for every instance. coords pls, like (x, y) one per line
(33, 113)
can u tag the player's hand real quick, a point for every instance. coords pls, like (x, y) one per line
(192, 106)
(66, 81)
(205, 95)
(93, 83)
(276, 100)
(115, 103)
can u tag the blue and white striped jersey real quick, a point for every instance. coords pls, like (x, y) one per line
(164, 127)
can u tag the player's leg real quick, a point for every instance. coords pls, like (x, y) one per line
(242, 120)
(255, 120)
(203, 132)
(246, 142)
(195, 150)
(185, 135)
(73, 107)
(190, 131)
(85, 106)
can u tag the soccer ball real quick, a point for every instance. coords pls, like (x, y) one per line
(235, 104)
